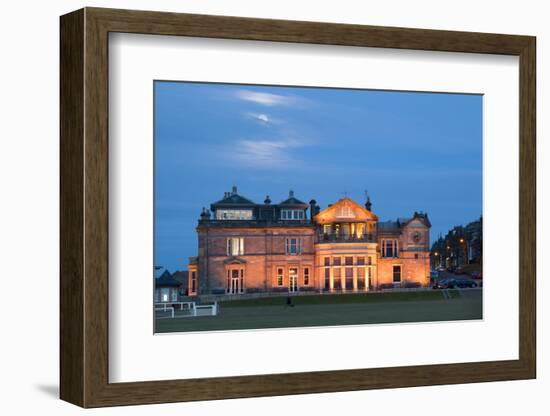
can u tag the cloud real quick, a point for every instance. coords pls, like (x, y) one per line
(263, 118)
(264, 154)
(265, 98)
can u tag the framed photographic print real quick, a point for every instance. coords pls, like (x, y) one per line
(255, 207)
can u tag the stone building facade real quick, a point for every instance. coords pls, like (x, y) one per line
(293, 246)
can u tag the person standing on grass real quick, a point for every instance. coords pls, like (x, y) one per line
(289, 301)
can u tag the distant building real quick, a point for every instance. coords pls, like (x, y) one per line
(292, 246)
(460, 246)
(166, 288)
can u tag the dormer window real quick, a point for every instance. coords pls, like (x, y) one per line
(234, 214)
(292, 214)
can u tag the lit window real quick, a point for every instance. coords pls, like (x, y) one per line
(280, 276)
(345, 212)
(235, 246)
(292, 214)
(193, 282)
(306, 276)
(293, 246)
(233, 214)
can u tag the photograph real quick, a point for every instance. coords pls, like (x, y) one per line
(293, 206)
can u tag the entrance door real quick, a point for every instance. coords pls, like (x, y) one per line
(235, 280)
(293, 279)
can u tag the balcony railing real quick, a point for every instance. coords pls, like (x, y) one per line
(343, 238)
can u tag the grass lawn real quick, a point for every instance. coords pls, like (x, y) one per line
(323, 310)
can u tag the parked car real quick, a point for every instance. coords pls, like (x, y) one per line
(444, 284)
(476, 275)
(454, 283)
(441, 269)
(460, 270)
(463, 283)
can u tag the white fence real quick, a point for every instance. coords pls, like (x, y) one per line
(187, 309)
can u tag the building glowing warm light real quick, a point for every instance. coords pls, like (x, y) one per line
(293, 246)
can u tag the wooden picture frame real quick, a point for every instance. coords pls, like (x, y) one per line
(84, 207)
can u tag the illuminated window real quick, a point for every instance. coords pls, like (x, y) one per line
(280, 276)
(292, 214)
(396, 274)
(306, 276)
(345, 212)
(235, 246)
(193, 282)
(293, 246)
(233, 214)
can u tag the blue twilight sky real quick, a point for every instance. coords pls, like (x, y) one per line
(411, 151)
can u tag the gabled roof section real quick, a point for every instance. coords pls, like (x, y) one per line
(420, 216)
(234, 260)
(166, 280)
(293, 201)
(233, 198)
(345, 210)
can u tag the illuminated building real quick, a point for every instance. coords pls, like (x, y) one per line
(293, 246)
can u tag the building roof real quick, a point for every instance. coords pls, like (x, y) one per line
(345, 210)
(293, 201)
(387, 225)
(403, 221)
(166, 280)
(180, 276)
(234, 199)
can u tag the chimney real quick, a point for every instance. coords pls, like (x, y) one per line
(291, 194)
(267, 200)
(312, 204)
(234, 190)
